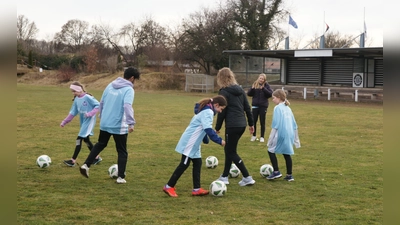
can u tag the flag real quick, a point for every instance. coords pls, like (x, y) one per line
(292, 22)
(327, 27)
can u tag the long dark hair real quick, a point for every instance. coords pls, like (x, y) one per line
(216, 99)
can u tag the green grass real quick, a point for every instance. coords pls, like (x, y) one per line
(338, 170)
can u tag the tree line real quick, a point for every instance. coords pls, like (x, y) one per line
(199, 40)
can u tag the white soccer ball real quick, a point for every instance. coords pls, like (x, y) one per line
(218, 188)
(234, 171)
(211, 162)
(43, 161)
(113, 171)
(266, 170)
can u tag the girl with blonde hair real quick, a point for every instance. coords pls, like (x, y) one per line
(260, 92)
(234, 116)
(284, 134)
(86, 106)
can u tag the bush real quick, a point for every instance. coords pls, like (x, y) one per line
(161, 81)
(65, 73)
(30, 59)
(53, 61)
(77, 63)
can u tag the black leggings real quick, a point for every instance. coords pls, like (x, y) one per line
(259, 112)
(232, 136)
(120, 144)
(274, 161)
(78, 145)
(180, 169)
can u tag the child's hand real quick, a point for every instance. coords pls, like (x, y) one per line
(222, 143)
(62, 124)
(131, 128)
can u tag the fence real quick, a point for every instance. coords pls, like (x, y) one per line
(199, 82)
(333, 93)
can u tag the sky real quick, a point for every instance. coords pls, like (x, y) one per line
(344, 16)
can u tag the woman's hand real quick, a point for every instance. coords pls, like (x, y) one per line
(251, 129)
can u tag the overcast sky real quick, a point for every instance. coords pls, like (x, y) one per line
(344, 16)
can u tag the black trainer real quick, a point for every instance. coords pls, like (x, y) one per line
(69, 163)
(289, 178)
(97, 161)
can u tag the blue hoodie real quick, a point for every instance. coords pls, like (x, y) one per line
(200, 125)
(116, 112)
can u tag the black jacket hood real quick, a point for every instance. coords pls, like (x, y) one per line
(234, 90)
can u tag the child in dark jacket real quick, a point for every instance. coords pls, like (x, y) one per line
(261, 92)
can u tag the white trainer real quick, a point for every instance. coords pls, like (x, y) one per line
(84, 169)
(262, 139)
(120, 180)
(253, 138)
(224, 179)
(247, 181)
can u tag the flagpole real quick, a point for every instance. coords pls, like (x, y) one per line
(364, 20)
(288, 28)
(288, 35)
(323, 30)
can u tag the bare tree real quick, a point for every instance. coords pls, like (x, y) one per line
(43, 47)
(148, 38)
(105, 34)
(195, 42)
(26, 32)
(25, 29)
(205, 35)
(129, 34)
(333, 40)
(151, 37)
(74, 34)
(239, 24)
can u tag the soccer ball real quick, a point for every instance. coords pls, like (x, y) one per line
(266, 170)
(234, 171)
(113, 171)
(218, 188)
(211, 162)
(43, 161)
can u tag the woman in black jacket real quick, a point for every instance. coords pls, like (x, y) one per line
(261, 92)
(234, 115)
